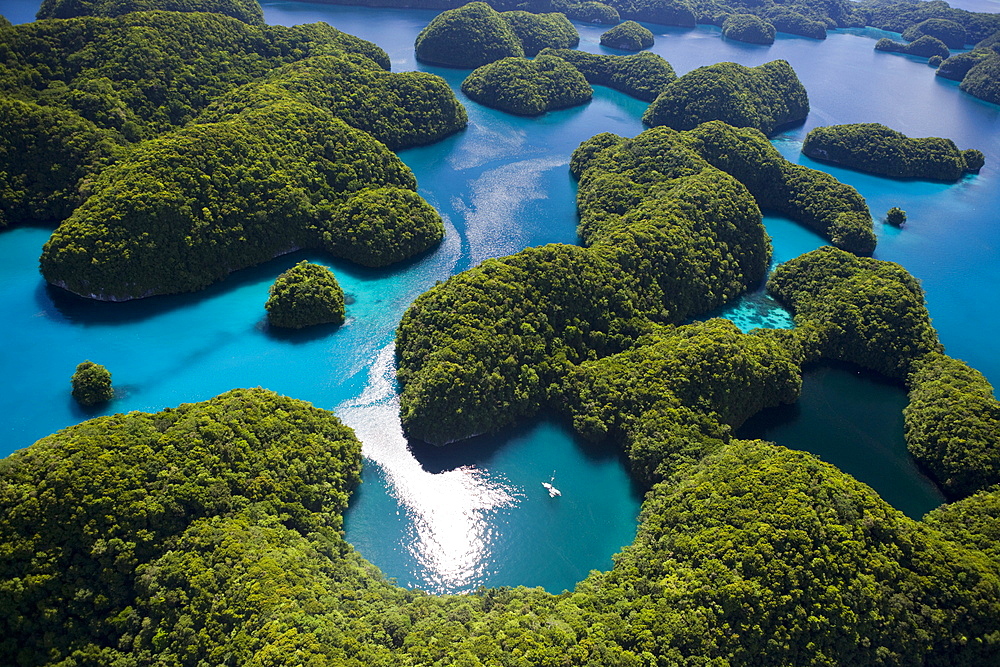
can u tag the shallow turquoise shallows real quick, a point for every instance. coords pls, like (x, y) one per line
(475, 513)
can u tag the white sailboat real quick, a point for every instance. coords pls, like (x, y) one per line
(550, 486)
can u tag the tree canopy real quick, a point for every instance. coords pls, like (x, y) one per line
(528, 87)
(305, 295)
(877, 149)
(765, 97)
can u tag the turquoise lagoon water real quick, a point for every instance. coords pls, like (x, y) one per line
(475, 514)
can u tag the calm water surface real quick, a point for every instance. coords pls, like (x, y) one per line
(454, 518)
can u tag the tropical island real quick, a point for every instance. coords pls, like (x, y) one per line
(162, 185)
(628, 36)
(641, 75)
(877, 149)
(212, 532)
(765, 97)
(303, 296)
(528, 87)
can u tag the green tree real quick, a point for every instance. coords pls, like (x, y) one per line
(305, 295)
(91, 384)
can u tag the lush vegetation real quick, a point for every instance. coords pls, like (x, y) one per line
(588, 11)
(224, 173)
(973, 522)
(953, 425)
(209, 534)
(91, 384)
(978, 69)
(628, 36)
(795, 23)
(674, 395)
(641, 75)
(74, 92)
(877, 149)
(810, 197)
(901, 15)
(924, 47)
(895, 216)
(65, 148)
(108, 526)
(748, 28)
(305, 295)
(665, 239)
(183, 211)
(528, 87)
(952, 34)
(380, 226)
(540, 31)
(470, 36)
(765, 97)
(856, 309)
(248, 11)
(399, 109)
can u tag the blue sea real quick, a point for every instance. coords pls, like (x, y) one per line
(475, 513)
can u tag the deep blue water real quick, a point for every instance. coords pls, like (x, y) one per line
(475, 513)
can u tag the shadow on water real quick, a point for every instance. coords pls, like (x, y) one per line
(62, 305)
(482, 451)
(297, 336)
(853, 419)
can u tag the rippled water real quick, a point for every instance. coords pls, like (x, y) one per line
(475, 513)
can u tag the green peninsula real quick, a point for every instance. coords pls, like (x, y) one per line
(165, 185)
(765, 97)
(877, 149)
(671, 226)
(924, 47)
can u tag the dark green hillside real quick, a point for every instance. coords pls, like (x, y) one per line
(185, 210)
(628, 36)
(665, 239)
(952, 34)
(857, 309)
(541, 31)
(399, 109)
(470, 36)
(305, 295)
(672, 397)
(923, 47)
(642, 75)
(72, 90)
(748, 28)
(65, 150)
(528, 87)
(814, 198)
(210, 534)
(953, 425)
(878, 149)
(588, 11)
(765, 97)
(248, 11)
(103, 522)
(903, 15)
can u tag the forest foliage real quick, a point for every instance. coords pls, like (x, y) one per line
(641, 75)
(628, 36)
(528, 87)
(248, 11)
(765, 97)
(748, 28)
(247, 142)
(877, 149)
(924, 47)
(91, 384)
(305, 295)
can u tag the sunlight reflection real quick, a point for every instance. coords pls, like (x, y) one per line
(451, 537)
